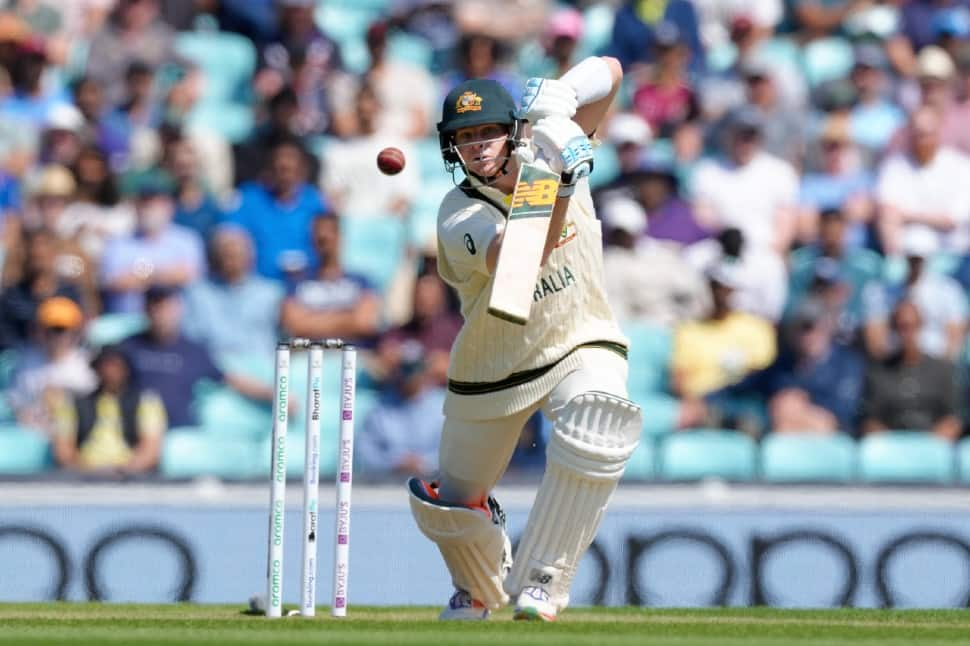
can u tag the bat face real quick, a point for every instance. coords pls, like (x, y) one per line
(520, 256)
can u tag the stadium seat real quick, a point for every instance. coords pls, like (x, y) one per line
(423, 218)
(826, 59)
(906, 456)
(23, 451)
(597, 29)
(228, 61)
(190, 452)
(808, 458)
(406, 48)
(660, 413)
(650, 348)
(224, 413)
(963, 460)
(108, 329)
(703, 453)
(372, 246)
(641, 464)
(428, 151)
(234, 121)
(606, 166)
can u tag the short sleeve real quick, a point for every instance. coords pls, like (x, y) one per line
(150, 415)
(466, 233)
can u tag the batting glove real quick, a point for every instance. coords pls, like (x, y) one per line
(546, 98)
(566, 148)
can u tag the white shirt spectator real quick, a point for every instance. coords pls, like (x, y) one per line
(752, 198)
(940, 186)
(358, 187)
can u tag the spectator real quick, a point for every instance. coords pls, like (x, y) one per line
(916, 31)
(277, 213)
(842, 183)
(667, 99)
(31, 97)
(874, 117)
(352, 179)
(748, 188)
(479, 57)
(251, 157)
(96, 214)
(957, 113)
(433, 325)
(941, 302)
(233, 311)
(60, 140)
(36, 282)
(670, 293)
(924, 187)
(669, 217)
(332, 303)
(401, 434)
(164, 361)
(935, 71)
(784, 124)
(559, 41)
(815, 385)
(117, 428)
(138, 114)
(134, 33)
(910, 390)
(820, 18)
(634, 32)
(403, 91)
(831, 272)
(722, 348)
(159, 253)
(54, 362)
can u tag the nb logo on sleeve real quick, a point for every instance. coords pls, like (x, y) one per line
(541, 192)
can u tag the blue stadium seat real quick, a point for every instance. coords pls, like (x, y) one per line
(372, 246)
(641, 464)
(428, 151)
(808, 458)
(190, 452)
(963, 460)
(23, 451)
(702, 453)
(224, 413)
(650, 348)
(228, 61)
(827, 59)
(660, 413)
(597, 29)
(234, 121)
(906, 456)
(406, 48)
(108, 329)
(423, 217)
(606, 166)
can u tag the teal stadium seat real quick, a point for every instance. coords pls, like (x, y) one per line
(703, 453)
(660, 413)
(228, 61)
(109, 329)
(963, 460)
(406, 48)
(224, 413)
(234, 121)
(8, 361)
(649, 358)
(641, 464)
(808, 458)
(23, 451)
(606, 165)
(190, 452)
(906, 457)
(827, 59)
(372, 246)
(597, 29)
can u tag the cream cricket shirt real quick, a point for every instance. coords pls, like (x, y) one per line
(498, 368)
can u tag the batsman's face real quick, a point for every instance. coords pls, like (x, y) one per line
(483, 148)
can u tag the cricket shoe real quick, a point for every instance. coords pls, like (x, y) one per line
(533, 604)
(461, 607)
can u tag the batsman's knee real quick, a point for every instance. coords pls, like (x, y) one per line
(595, 433)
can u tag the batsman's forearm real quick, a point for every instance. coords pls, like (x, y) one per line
(556, 222)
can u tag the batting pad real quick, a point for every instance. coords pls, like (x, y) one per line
(592, 438)
(472, 541)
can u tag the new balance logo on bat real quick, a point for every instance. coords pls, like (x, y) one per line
(541, 192)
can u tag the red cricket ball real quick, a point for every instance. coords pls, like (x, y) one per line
(390, 161)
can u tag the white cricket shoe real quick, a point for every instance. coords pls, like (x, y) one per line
(461, 607)
(533, 604)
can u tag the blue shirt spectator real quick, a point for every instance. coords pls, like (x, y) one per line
(233, 311)
(278, 214)
(158, 253)
(634, 26)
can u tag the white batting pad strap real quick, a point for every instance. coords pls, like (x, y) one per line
(593, 437)
(475, 548)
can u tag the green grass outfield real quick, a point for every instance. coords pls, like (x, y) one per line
(81, 624)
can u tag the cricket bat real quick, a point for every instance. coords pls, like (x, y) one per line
(520, 256)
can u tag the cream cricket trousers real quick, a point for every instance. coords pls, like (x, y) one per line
(475, 454)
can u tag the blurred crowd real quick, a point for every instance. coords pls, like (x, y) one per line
(784, 187)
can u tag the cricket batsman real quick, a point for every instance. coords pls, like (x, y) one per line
(569, 359)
